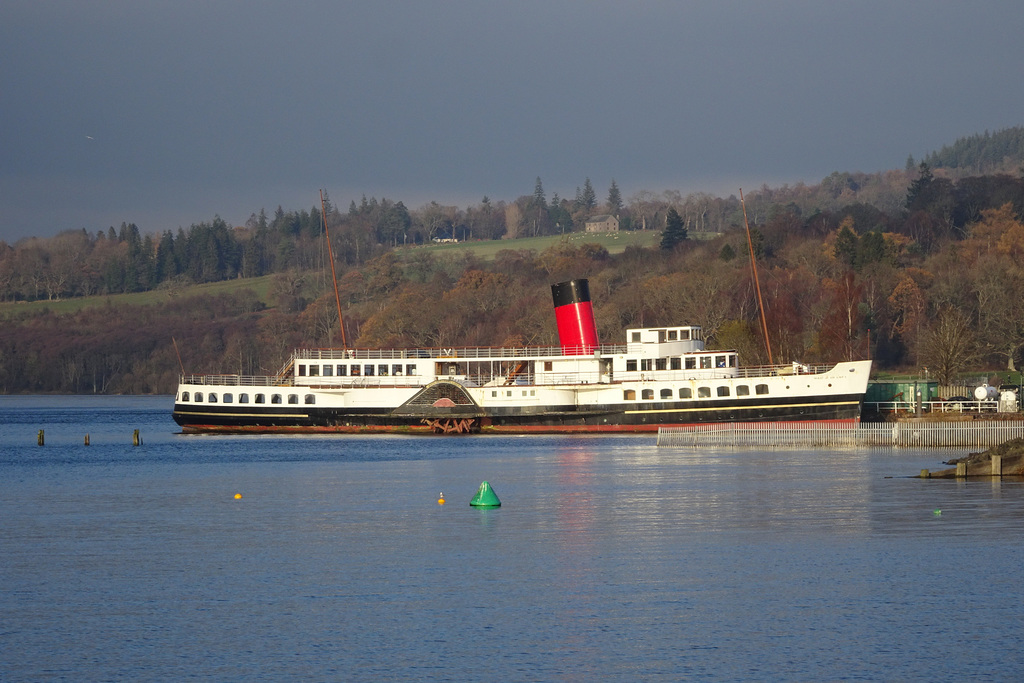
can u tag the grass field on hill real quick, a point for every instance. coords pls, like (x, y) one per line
(614, 242)
(260, 285)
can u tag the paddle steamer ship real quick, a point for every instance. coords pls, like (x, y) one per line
(660, 376)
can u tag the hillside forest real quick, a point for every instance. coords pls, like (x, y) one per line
(921, 269)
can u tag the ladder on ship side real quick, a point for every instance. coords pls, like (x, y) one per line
(286, 370)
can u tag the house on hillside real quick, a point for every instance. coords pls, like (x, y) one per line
(602, 223)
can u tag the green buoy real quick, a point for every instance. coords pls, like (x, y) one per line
(485, 497)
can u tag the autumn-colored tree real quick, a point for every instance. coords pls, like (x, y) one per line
(786, 296)
(743, 337)
(478, 291)
(564, 261)
(383, 274)
(999, 228)
(908, 306)
(408, 319)
(841, 336)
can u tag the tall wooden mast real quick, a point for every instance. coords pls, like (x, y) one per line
(757, 284)
(334, 277)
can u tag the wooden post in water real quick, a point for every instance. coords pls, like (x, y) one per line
(961, 469)
(136, 441)
(997, 465)
(39, 438)
(86, 439)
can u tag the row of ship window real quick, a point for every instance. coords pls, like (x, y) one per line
(702, 392)
(682, 362)
(673, 335)
(356, 370)
(292, 399)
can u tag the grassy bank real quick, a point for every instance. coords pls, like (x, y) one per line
(260, 285)
(614, 242)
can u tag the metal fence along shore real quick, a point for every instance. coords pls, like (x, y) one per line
(973, 434)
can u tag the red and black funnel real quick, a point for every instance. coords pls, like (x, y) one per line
(574, 315)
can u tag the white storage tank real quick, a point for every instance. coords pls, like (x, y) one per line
(986, 393)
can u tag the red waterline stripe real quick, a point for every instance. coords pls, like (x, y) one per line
(491, 429)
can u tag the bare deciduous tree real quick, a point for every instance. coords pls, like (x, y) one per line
(948, 345)
(513, 221)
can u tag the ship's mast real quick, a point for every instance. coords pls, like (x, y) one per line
(757, 284)
(334, 278)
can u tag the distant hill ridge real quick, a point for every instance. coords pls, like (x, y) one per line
(985, 153)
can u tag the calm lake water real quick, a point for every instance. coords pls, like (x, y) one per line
(609, 559)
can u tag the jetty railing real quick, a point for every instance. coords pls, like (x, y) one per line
(973, 434)
(933, 406)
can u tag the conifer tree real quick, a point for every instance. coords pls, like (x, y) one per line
(918, 191)
(846, 244)
(614, 199)
(675, 231)
(538, 194)
(589, 197)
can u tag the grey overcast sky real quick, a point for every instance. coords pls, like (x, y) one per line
(168, 112)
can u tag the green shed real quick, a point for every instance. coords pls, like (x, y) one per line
(901, 391)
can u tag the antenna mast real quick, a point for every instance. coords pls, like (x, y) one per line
(178, 353)
(334, 278)
(757, 284)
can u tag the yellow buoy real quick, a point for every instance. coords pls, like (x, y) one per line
(238, 496)
(440, 501)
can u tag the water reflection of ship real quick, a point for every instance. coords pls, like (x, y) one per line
(576, 515)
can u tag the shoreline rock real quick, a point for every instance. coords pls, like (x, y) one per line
(1010, 452)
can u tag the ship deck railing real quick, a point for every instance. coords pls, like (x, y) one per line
(462, 353)
(512, 352)
(237, 380)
